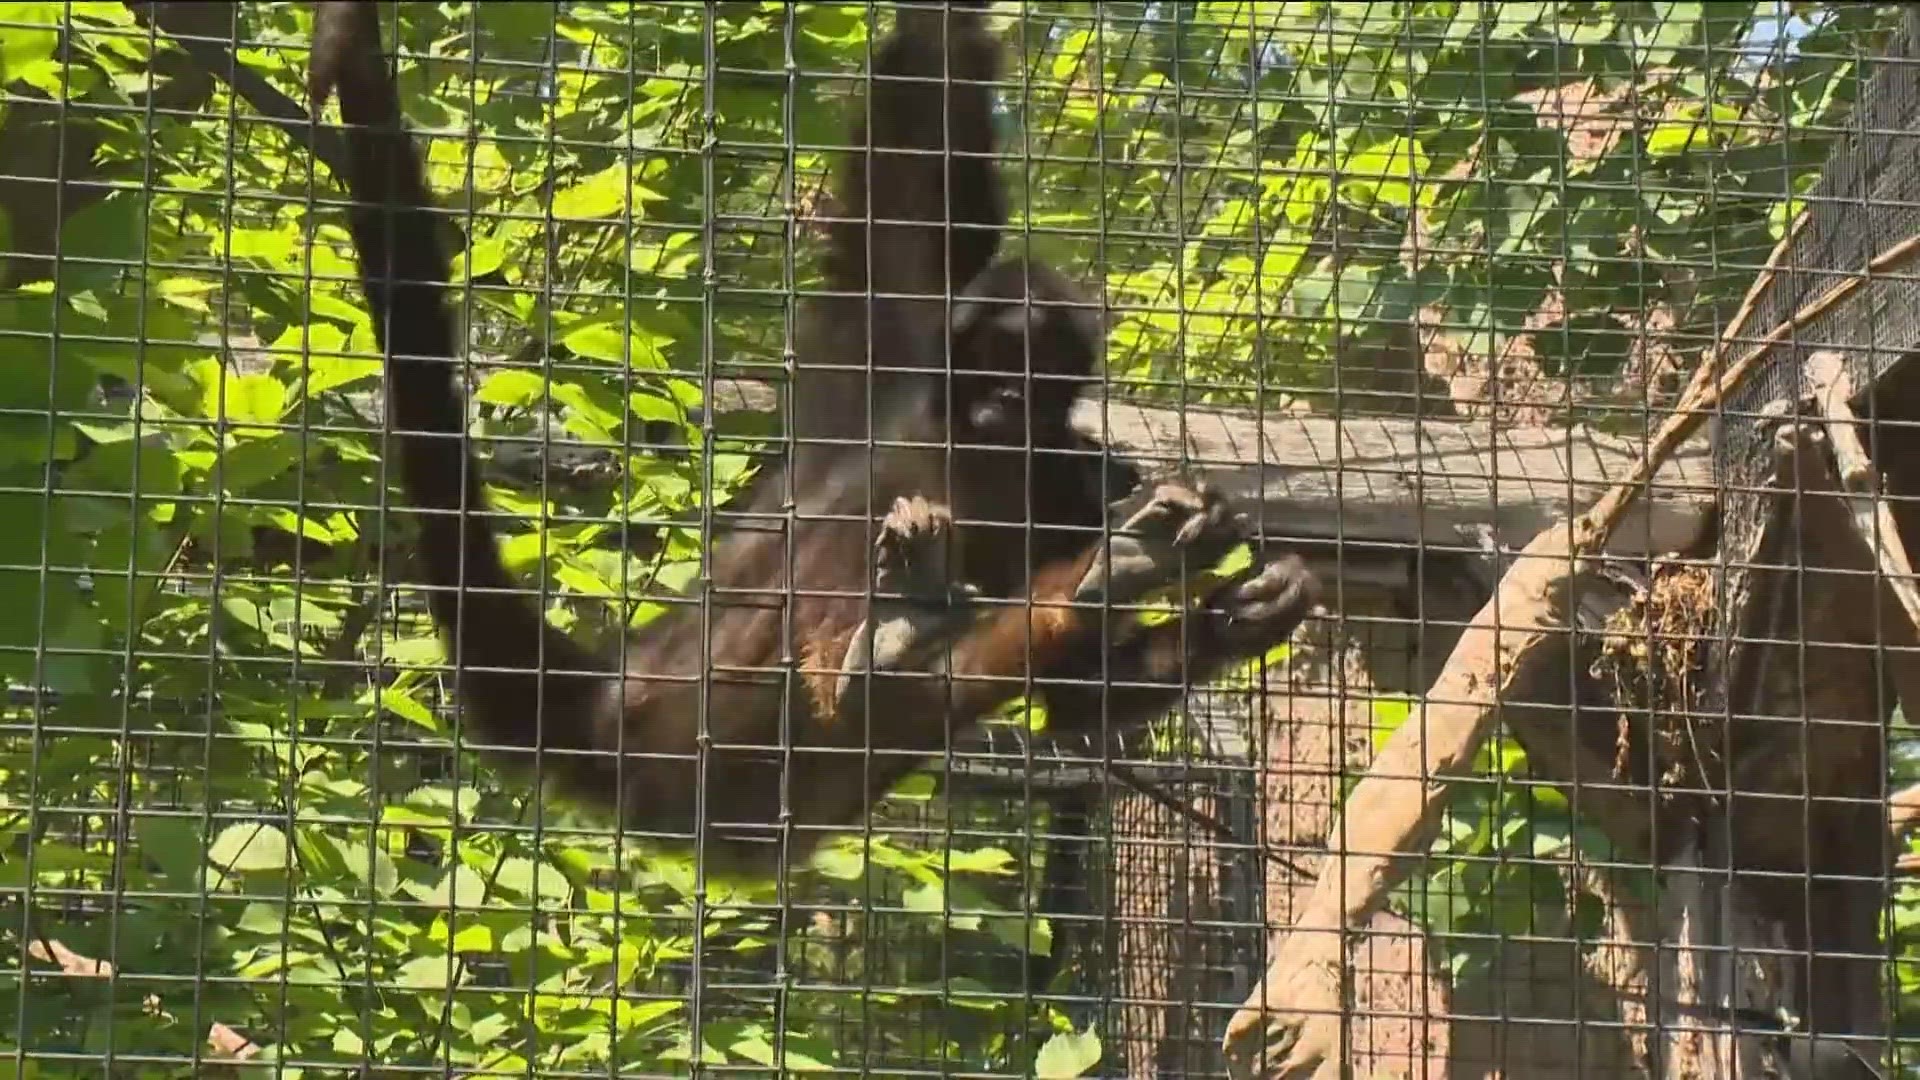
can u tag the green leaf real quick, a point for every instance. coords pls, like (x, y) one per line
(256, 398)
(248, 847)
(1067, 1054)
(1033, 936)
(1235, 217)
(1386, 172)
(585, 419)
(21, 593)
(915, 787)
(755, 1047)
(1693, 128)
(1234, 561)
(599, 341)
(613, 345)
(246, 465)
(267, 920)
(462, 887)
(839, 861)
(427, 972)
(30, 38)
(988, 860)
(124, 466)
(1067, 56)
(1672, 138)
(632, 1016)
(25, 440)
(528, 878)
(326, 373)
(241, 399)
(114, 229)
(274, 249)
(473, 938)
(482, 258)
(445, 800)
(646, 404)
(35, 375)
(403, 705)
(297, 343)
(520, 21)
(371, 865)
(927, 899)
(172, 843)
(287, 521)
(511, 388)
(1781, 214)
(602, 194)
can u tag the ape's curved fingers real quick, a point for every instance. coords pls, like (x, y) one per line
(1178, 527)
(1261, 609)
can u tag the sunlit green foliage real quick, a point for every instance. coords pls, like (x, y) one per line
(226, 766)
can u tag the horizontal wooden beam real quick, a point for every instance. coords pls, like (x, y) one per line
(1392, 480)
(1369, 480)
(1402, 479)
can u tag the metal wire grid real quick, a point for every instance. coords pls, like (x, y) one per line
(122, 803)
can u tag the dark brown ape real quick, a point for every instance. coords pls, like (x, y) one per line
(705, 728)
(1007, 356)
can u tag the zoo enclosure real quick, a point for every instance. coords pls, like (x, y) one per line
(1446, 264)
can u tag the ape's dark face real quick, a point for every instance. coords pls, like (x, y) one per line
(1024, 344)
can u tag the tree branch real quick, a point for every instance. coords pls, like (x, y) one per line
(217, 59)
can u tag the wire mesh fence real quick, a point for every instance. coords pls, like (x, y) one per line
(1410, 284)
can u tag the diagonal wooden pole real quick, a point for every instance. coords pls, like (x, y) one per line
(1290, 1026)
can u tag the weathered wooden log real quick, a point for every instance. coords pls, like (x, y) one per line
(1391, 480)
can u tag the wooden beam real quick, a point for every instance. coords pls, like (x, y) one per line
(1379, 480)
(1394, 479)
(1391, 480)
